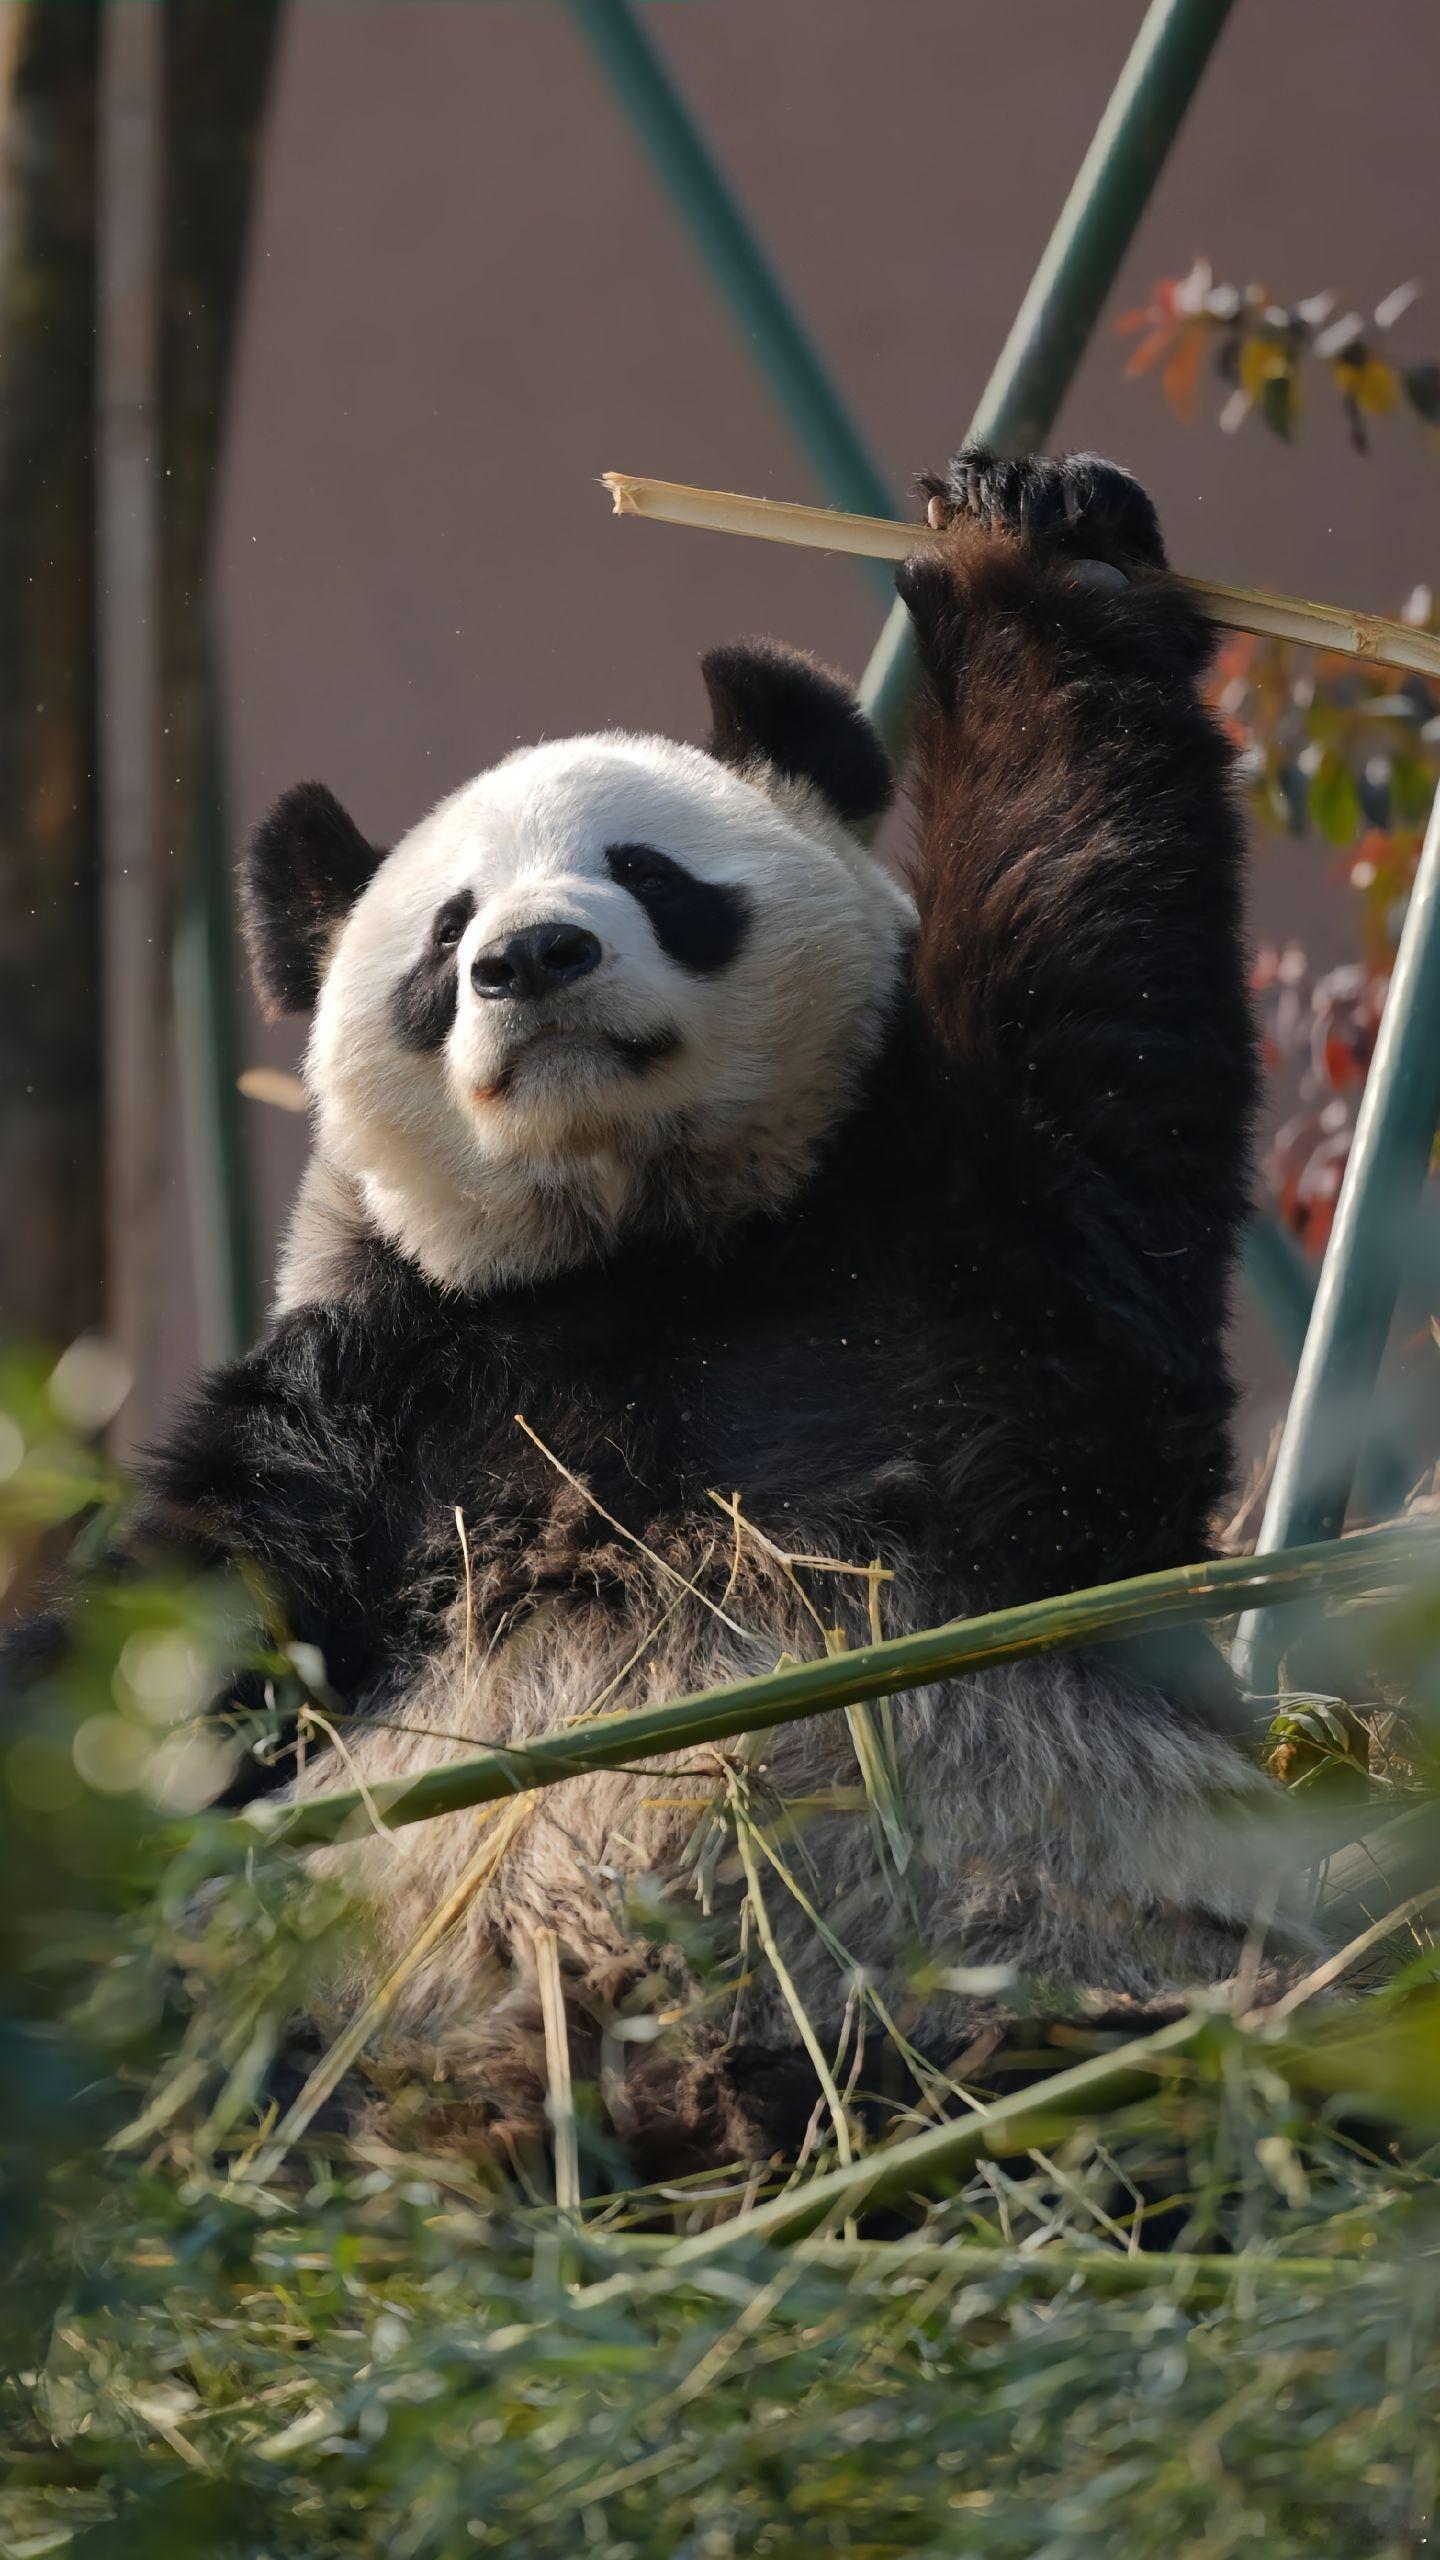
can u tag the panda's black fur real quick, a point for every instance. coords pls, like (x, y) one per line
(981, 1341)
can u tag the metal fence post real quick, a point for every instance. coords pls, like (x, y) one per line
(1359, 1282)
(1067, 292)
(767, 320)
(1034, 370)
(208, 1043)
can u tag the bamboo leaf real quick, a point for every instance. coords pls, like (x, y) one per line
(1334, 801)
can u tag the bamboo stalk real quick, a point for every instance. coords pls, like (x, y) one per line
(557, 2064)
(1103, 1615)
(1370, 636)
(1172, 2275)
(945, 2155)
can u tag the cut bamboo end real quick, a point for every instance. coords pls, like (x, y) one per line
(1368, 636)
(274, 1085)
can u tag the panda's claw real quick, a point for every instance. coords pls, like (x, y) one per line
(1080, 503)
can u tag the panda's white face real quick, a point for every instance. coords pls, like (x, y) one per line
(608, 965)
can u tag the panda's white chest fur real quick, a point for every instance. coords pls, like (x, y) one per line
(1059, 1828)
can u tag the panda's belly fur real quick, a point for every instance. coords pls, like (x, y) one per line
(1068, 1828)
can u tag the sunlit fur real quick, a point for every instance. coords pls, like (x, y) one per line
(912, 1223)
(511, 1149)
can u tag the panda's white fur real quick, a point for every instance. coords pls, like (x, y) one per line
(770, 1227)
(484, 1187)
(502, 1155)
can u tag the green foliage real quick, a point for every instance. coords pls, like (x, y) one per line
(387, 2361)
(1262, 350)
(371, 2353)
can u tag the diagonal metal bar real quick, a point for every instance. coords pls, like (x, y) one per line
(219, 1175)
(1035, 367)
(1052, 327)
(1375, 1221)
(767, 320)
(1280, 1281)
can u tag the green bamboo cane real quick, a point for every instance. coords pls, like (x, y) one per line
(766, 318)
(1052, 327)
(1111, 1612)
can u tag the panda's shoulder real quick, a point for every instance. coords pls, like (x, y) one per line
(361, 1346)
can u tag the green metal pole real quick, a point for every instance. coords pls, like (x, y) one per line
(1375, 1219)
(1280, 1279)
(1053, 324)
(1035, 368)
(207, 1031)
(767, 320)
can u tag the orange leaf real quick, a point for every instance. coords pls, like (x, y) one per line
(1180, 380)
(1141, 358)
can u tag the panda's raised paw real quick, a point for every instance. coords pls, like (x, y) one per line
(1074, 503)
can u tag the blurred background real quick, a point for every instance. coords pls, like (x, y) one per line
(317, 324)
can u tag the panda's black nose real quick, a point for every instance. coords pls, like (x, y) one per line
(531, 963)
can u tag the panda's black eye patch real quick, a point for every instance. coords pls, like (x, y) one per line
(699, 924)
(450, 923)
(422, 1008)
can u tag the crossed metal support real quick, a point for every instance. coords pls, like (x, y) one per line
(1375, 1221)
(1354, 1304)
(1341, 1336)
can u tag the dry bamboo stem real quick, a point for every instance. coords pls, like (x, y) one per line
(557, 2064)
(1371, 636)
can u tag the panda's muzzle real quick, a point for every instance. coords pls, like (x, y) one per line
(535, 962)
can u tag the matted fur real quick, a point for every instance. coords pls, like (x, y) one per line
(913, 1224)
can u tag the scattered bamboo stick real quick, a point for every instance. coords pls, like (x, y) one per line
(944, 2156)
(1110, 2271)
(1373, 1559)
(274, 1085)
(1371, 636)
(557, 2066)
(258, 2168)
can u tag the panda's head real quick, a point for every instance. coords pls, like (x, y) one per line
(613, 981)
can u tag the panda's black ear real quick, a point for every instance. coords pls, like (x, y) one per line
(302, 870)
(779, 705)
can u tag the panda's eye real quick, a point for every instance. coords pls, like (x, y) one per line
(637, 867)
(450, 923)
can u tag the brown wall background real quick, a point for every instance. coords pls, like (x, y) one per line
(467, 296)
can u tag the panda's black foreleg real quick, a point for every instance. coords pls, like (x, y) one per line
(1079, 865)
(1080, 964)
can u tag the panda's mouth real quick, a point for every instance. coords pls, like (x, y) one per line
(634, 1053)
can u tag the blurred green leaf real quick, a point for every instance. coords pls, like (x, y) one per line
(1279, 402)
(1333, 800)
(1412, 788)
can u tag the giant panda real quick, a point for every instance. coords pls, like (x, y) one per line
(649, 1108)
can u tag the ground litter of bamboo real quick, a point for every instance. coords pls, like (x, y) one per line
(1180, 2297)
